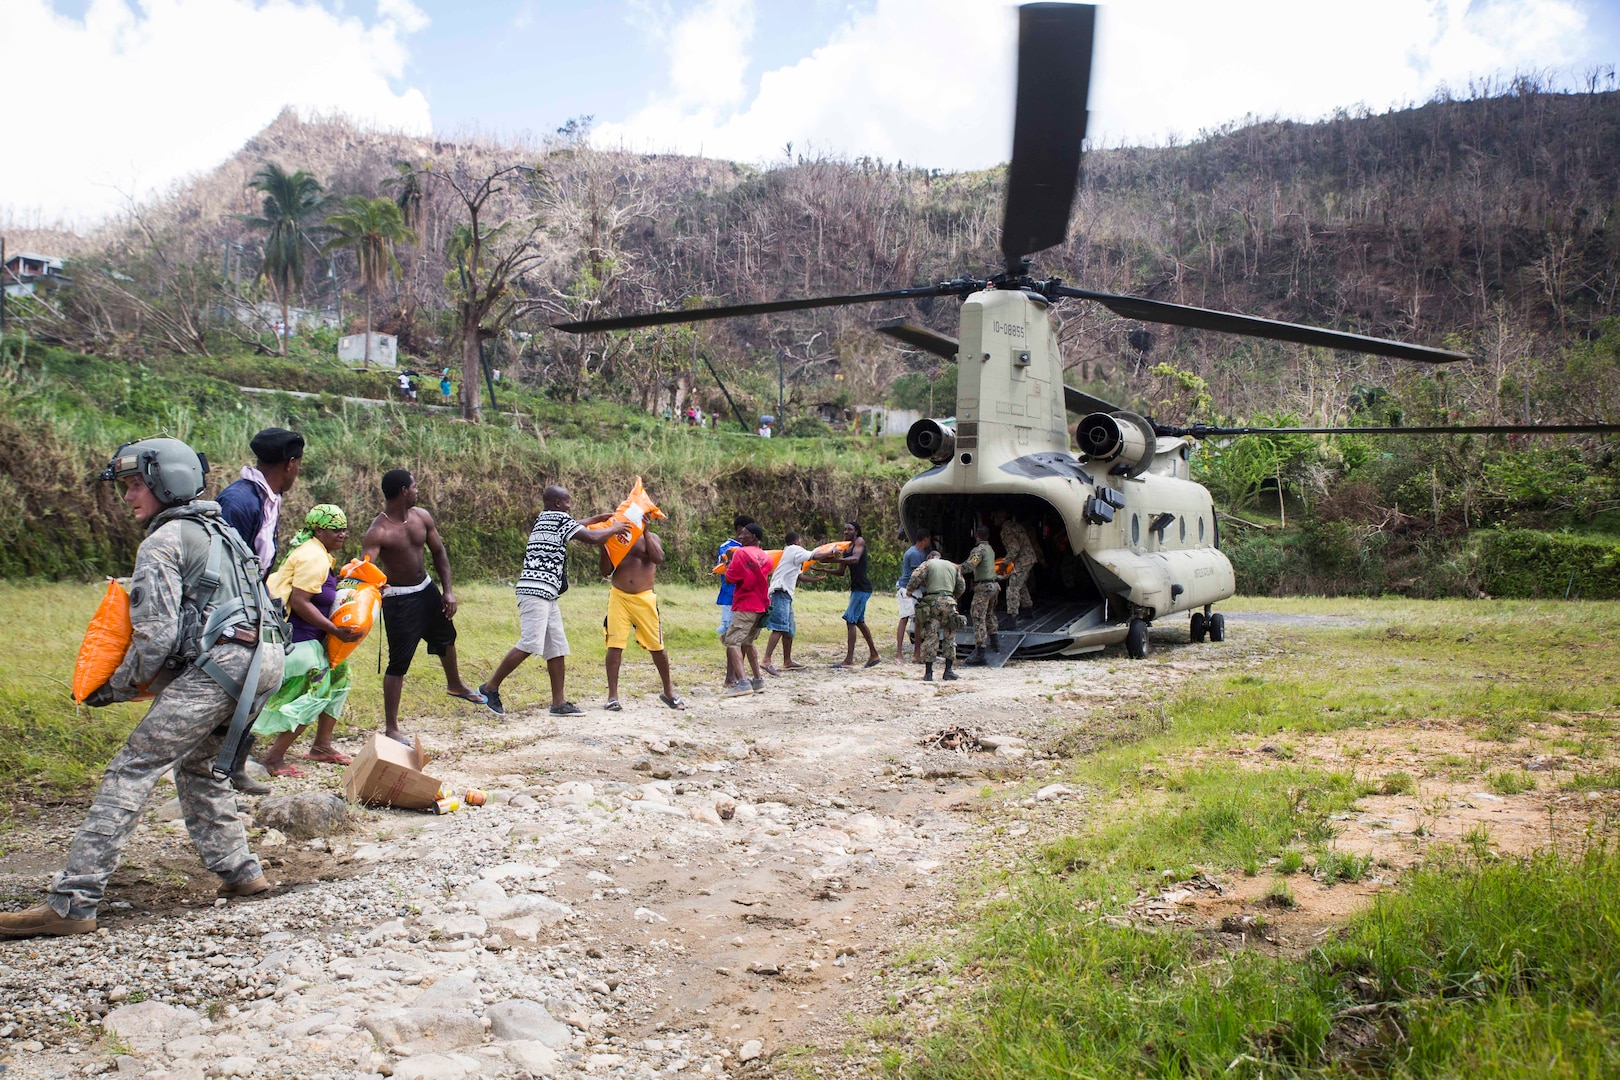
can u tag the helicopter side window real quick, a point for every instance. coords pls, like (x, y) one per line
(1136, 529)
(1184, 529)
(1200, 528)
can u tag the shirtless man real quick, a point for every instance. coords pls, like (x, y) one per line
(413, 609)
(632, 605)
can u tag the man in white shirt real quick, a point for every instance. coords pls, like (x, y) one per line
(779, 619)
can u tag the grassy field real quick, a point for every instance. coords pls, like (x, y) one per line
(1487, 956)
(50, 748)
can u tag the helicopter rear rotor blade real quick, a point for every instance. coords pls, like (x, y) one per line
(727, 311)
(1160, 311)
(1206, 431)
(1078, 401)
(920, 337)
(1049, 126)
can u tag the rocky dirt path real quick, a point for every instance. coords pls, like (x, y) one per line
(711, 894)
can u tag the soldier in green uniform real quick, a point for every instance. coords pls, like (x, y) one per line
(941, 583)
(205, 638)
(1023, 553)
(981, 563)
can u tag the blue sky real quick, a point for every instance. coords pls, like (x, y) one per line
(148, 92)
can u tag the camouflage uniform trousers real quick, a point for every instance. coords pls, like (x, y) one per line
(1018, 588)
(983, 617)
(937, 620)
(179, 731)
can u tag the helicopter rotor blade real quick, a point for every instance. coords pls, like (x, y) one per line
(1049, 126)
(919, 337)
(1206, 431)
(1078, 401)
(727, 311)
(1160, 311)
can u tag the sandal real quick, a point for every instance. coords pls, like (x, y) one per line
(329, 757)
(874, 662)
(677, 702)
(472, 695)
(286, 771)
(614, 705)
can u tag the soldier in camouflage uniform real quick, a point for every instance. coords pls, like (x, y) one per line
(1021, 550)
(981, 564)
(188, 719)
(937, 618)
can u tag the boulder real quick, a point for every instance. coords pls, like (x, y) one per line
(304, 815)
(437, 1067)
(527, 1021)
(416, 1031)
(537, 1059)
(147, 1025)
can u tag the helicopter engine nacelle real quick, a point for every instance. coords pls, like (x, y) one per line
(931, 439)
(1123, 439)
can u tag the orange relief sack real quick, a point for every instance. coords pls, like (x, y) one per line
(637, 510)
(106, 640)
(360, 585)
(774, 554)
(829, 552)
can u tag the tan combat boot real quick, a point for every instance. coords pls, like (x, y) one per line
(42, 921)
(256, 887)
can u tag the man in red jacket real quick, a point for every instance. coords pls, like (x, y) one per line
(750, 573)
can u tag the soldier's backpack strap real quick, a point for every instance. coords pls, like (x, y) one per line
(223, 621)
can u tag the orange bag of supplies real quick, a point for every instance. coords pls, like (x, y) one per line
(360, 585)
(106, 640)
(1004, 567)
(774, 554)
(830, 552)
(637, 509)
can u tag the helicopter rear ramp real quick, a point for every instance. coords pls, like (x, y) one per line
(1063, 629)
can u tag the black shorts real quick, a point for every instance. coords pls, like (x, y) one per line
(412, 619)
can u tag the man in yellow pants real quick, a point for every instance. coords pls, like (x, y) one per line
(632, 605)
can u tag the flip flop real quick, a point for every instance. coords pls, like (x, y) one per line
(332, 757)
(874, 662)
(401, 738)
(472, 695)
(767, 669)
(614, 705)
(286, 771)
(677, 702)
(792, 667)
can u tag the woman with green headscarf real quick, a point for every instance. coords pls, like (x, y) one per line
(311, 688)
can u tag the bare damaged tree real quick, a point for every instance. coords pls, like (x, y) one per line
(492, 251)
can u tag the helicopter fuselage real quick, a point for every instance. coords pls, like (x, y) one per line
(1124, 532)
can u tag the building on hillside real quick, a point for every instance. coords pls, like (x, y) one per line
(881, 420)
(26, 269)
(384, 349)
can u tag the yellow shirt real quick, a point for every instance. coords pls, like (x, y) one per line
(306, 568)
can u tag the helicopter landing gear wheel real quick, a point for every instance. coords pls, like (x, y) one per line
(1136, 639)
(1217, 627)
(1198, 627)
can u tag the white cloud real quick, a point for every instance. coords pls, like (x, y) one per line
(932, 83)
(130, 97)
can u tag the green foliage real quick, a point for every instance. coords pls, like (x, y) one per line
(290, 201)
(62, 414)
(1520, 562)
(1236, 469)
(925, 392)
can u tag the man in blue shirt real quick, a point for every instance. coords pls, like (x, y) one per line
(252, 505)
(726, 587)
(914, 557)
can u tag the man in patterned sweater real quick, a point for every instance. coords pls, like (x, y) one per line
(544, 579)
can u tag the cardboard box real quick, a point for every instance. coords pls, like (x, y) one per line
(389, 773)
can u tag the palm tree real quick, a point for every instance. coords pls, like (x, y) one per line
(289, 200)
(372, 227)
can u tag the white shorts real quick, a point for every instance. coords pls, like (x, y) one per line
(907, 603)
(540, 627)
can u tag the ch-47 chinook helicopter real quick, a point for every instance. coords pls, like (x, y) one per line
(1141, 537)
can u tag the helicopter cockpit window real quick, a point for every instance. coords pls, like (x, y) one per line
(1183, 530)
(1200, 528)
(1136, 529)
